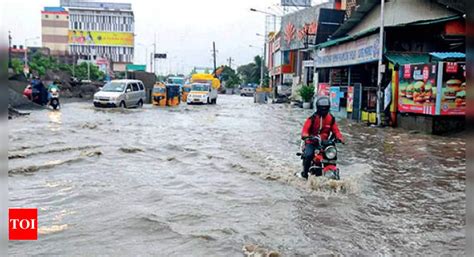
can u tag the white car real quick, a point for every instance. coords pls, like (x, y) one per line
(202, 93)
(247, 91)
(121, 93)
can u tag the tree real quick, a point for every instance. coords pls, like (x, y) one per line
(250, 73)
(17, 66)
(81, 71)
(40, 64)
(230, 77)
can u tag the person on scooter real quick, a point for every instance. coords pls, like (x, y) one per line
(54, 85)
(321, 124)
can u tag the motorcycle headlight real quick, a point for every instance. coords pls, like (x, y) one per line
(330, 152)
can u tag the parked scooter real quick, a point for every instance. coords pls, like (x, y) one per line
(325, 158)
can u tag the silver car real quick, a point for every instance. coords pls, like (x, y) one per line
(121, 93)
(247, 91)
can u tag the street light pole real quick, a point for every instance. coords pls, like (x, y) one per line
(26, 49)
(379, 75)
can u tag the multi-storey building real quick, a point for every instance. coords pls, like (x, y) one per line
(96, 31)
(55, 26)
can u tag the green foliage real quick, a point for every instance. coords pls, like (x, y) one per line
(306, 92)
(250, 73)
(17, 66)
(95, 73)
(230, 77)
(40, 64)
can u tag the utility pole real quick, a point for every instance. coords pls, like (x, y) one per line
(230, 60)
(89, 68)
(74, 65)
(214, 55)
(9, 49)
(379, 75)
(151, 62)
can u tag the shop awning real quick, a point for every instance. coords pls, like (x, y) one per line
(448, 55)
(406, 58)
(372, 30)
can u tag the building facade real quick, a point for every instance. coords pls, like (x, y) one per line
(54, 30)
(99, 32)
(423, 83)
(300, 31)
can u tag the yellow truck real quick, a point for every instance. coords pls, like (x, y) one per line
(203, 89)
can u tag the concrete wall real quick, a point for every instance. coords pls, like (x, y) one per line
(439, 125)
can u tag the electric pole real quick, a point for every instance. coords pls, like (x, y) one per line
(230, 60)
(379, 73)
(214, 55)
(9, 49)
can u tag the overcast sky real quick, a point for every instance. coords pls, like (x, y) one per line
(184, 29)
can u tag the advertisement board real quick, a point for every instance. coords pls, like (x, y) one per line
(453, 89)
(81, 37)
(323, 89)
(362, 50)
(350, 98)
(433, 89)
(334, 95)
(418, 89)
(387, 96)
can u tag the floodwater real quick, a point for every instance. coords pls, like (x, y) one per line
(212, 180)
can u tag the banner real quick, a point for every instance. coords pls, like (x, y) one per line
(417, 88)
(453, 90)
(362, 50)
(105, 38)
(387, 96)
(323, 89)
(335, 98)
(350, 98)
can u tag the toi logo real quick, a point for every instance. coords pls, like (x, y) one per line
(23, 224)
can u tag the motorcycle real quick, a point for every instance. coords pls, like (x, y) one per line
(54, 98)
(324, 162)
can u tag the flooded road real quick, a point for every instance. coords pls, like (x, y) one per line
(209, 180)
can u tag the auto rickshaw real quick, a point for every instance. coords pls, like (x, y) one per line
(186, 89)
(165, 95)
(172, 94)
(159, 94)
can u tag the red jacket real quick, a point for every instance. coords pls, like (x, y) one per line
(328, 124)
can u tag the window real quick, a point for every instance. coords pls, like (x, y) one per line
(46, 16)
(129, 88)
(286, 57)
(135, 87)
(57, 16)
(141, 86)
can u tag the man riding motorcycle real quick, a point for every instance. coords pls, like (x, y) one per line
(321, 124)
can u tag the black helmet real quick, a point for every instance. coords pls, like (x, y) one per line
(323, 104)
